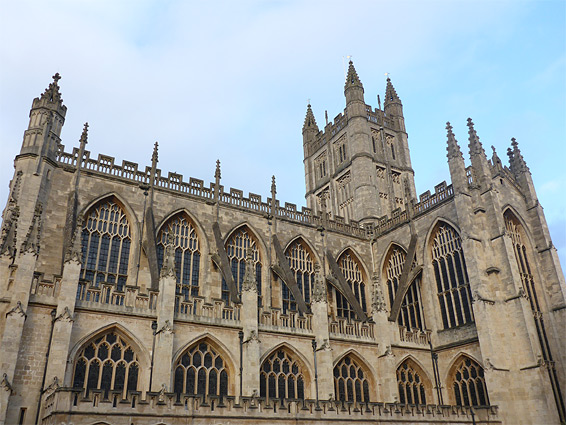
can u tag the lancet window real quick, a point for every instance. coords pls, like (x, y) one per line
(281, 376)
(236, 248)
(411, 314)
(107, 363)
(106, 243)
(201, 370)
(302, 266)
(469, 384)
(352, 271)
(350, 381)
(411, 383)
(452, 283)
(187, 254)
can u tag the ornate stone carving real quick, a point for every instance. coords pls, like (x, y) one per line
(254, 337)
(66, 316)
(167, 328)
(249, 283)
(325, 346)
(18, 309)
(53, 386)
(168, 269)
(5, 383)
(377, 300)
(319, 287)
(31, 241)
(9, 229)
(74, 251)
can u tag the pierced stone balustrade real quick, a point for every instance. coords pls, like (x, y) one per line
(197, 310)
(273, 320)
(415, 336)
(351, 329)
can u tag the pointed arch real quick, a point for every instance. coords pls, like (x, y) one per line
(451, 276)
(284, 374)
(302, 260)
(202, 235)
(106, 240)
(214, 341)
(356, 276)
(125, 205)
(466, 382)
(413, 383)
(236, 244)
(109, 359)
(356, 254)
(203, 367)
(354, 379)
(188, 254)
(294, 352)
(309, 245)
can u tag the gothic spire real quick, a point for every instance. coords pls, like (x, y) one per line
(519, 165)
(390, 93)
(476, 148)
(310, 121)
(453, 148)
(352, 79)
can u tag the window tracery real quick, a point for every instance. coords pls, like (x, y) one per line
(350, 381)
(105, 242)
(469, 384)
(452, 283)
(187, 254)
(411, 384)
(411, 314)
(236, 249)
(201, 370)
(281, 376)
(108, 363)
(302, 266)
(352, 271)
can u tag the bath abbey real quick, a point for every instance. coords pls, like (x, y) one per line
(135, 296)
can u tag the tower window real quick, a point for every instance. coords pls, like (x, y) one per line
(373, 144)
(342, 153)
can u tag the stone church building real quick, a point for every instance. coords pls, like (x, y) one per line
(133, 296)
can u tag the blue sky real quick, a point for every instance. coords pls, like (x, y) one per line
(230, 81)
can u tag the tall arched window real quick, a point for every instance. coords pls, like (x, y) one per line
(352, 271)
(469, 383)
(108, 362)
(412, 383)
(201, 370)
(350, 381)
(187, 253)
(281, 376)
(106, 244)
(454, 294)
(302, 266)
(411, 314)
(236, 248)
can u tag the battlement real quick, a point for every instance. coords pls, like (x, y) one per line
(61, 403)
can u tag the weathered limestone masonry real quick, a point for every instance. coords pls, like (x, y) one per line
(131, 296)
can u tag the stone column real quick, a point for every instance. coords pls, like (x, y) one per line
(251, 354)
(163, 357)
(319, 306)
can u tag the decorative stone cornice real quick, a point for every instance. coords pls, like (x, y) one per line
(319, 287)
(18, 309)
(249, 283)
(377, 300)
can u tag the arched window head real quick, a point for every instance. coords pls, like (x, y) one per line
(412, 383)
(350, 381)
(201, 370)
(106, 243)
(107, 362)
(411, 314)
(468, 383)
(453, 287)
(302, 265)
(187, 254)
(237, 247)
(281, 376)
(352, 270)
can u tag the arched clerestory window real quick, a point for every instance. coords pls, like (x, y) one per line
(105, 241)
(187, 254)
(468, 383)
(236, 248)
(412, 383)
(351, 382)
(282, 376)
(107, 362)
(302, 265)
(352, 270)
(201, 370)
(411, 313)
(453, 287)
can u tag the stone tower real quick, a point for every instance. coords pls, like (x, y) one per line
(359, 167)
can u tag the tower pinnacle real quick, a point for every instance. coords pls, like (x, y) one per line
(352, 78)
(390, 93)
(310, 121)
(453, 148)
(476, 148)
(51, 93)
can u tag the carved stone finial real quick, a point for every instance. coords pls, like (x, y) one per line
(452, 147)
(154, 155)
(319, 287)
(56, 78)
(476, 148)
(377, 300)
(217, 173)
(168, 268)
(84, 137)
(31, 241)
(249, 283)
